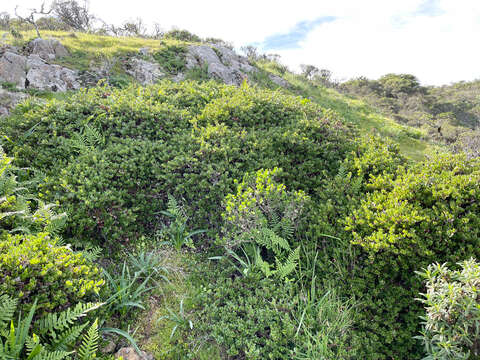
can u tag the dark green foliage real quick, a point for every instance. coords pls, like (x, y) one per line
(171, 58)
(182, 35)
(252, 317)
(189, 140)
(425, 214)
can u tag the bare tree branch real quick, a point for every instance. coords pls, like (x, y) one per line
(30, 19)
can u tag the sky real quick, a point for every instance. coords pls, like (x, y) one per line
(435, 40)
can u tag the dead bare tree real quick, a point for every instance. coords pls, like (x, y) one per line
(74, 14)
(31, 18)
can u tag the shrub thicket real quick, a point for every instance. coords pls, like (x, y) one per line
(33, 265)
(448, 113)
(424, 214)
(111, 156)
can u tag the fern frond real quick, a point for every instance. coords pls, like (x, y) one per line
(93, 137)
(53, 355)
(174, 208)
(92, 253)
(283, 270)
(34, 348)
(286, 229)
(58, 322)
(56, 224)
(68, 338)
(89, 346)
(7, 309)
(272, 241)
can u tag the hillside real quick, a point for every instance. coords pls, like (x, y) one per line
(448, 114)
(171, 199)
(124, 60)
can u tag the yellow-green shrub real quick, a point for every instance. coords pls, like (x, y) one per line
(428, 213)
(36, 267)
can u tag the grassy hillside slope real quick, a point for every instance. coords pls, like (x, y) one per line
(90, 50)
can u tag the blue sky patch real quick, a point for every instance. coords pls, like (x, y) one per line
(291, 39)
(429, 8)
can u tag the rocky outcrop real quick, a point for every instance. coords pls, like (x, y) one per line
(145, 72)
(9, 100)
(47, 49)
(13, 68)
(34, 70)
(278, 80)
(222, 63)
(44, 76)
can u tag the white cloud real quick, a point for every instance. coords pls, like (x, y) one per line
(370, 37)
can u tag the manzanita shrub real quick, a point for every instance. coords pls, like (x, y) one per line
(451, 325)
(427, 213)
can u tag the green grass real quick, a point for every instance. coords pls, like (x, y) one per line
(410, 139)
(155, 332)
(87, 49)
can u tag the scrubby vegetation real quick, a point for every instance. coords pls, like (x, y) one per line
(449, 114)
(206, 221)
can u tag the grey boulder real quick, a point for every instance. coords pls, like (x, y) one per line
(222, 63)
(13, 68)
(279, 81)
(9, 100)
(43, 76)
(47, 49)
(144, 72)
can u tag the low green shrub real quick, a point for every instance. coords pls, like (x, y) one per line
(260, 222)
(451, 326)
(189, 140)
(35, 267)
(260, 202)
(171, 58)
(253, 317)
(249, 317)
(424, 214)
